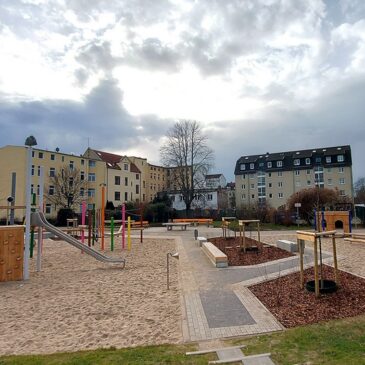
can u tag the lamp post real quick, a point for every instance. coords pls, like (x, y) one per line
(29, 142)
(175, 256)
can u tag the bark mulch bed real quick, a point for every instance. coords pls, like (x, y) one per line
(236, 257)
(294, 306)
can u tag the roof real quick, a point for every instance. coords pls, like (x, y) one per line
(213, 176)
(134, 168)
(287, 158)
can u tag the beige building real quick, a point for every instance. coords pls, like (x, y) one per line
(273, 177)
(13, 161)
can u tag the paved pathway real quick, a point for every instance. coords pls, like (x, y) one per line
(217, 302)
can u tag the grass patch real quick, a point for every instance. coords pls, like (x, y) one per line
(330, 343)
(142, 355)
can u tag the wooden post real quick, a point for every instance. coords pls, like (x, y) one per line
(301, 254)
(258, 231)
(316, 280)
(335, 258)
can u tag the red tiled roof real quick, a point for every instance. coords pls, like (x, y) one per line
(110, 158)
(134, 168)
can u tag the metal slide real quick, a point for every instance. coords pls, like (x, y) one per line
(38, 219)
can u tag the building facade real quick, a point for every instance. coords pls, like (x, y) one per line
(273, 177)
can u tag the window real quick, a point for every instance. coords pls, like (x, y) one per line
(137, 176)
(318, 160)
(269, 174)
(328, 159)
(40, 154)
(92, 163)
(137, 189)
(253, 196)
(144, 197)
(51, 190)
(53, 157)
(32, 170)
(252, 186)
(243, 186)
(117, 195)
(92, 176)
(270, 185)
(329, 182)
(280, 184)
(126, 196)
(308, 182)
(270, 196)
(82, 175)
(125, 167)
(269, 165)
(342, 180)
(307, 161)
(82, 162)
(71, 165)
(210, 196)
(280, 195)
(144, 184)
(63, 158)
(279, 163)
(71, 181)
(82, 191)
(48, 208)
(297, 184)
(342, 192)
(297, 172)
(31, 188)
(261, 164)
(126, 181)
(340, 170)
(242, 167)
(33, 153)
(243, 196)
(52, 172)
(38, 189)
(91, 192)
(252, 166)
(39, 171)
(308, 172)
(116, 180)
(296, 162)
(340, 158)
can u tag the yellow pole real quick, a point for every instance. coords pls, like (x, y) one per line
(129, 233)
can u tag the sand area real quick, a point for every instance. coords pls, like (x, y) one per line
(79, 303)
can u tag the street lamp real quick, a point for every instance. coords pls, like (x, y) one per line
(29, 142)
(175, 256)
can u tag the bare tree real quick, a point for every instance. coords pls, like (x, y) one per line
(66, 188)
(187, 153)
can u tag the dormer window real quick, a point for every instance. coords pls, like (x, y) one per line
(269, 165)
(279, 163)
(328, 159)
(242, 167)
(340, 158)
(307, 161)
(252, 166)
(126, 167)
(296, 162)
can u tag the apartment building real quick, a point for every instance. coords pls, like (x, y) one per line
(13, 165)
(157, 180)
(215, 181)
(274, 177)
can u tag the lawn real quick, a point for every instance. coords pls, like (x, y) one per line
(331, 343)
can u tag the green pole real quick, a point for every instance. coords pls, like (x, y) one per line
(31, 246)
(94, 224)
(112, 233)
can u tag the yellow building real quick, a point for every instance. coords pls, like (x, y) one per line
(13, 161)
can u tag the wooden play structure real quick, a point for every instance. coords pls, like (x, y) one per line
(315, 238)
(332, 220)
(242, 224)
(11, 253)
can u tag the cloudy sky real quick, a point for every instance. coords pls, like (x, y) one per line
(260, 75)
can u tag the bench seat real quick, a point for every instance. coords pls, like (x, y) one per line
(215, 255)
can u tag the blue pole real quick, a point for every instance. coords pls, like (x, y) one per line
(350, 220)
(323, 221)
(315, 220)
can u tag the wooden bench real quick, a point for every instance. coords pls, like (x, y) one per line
(177, 224)
(134, 224)
(215, 255)
(194, 221)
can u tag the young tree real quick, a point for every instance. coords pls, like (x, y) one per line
(65, 188)
(316, 198)
(187, 153)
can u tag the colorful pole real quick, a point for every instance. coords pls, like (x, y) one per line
(32, 230)
(123, 226)
(102, 218)
(83, 218)
(129, 233)
(112, 234)
(94, 223)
